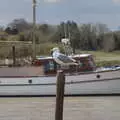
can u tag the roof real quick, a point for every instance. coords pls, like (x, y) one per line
(49, 57)
(82, 55)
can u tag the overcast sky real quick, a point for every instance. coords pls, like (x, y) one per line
(55, 11)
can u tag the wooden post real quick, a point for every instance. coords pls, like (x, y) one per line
(34, 27)
(14, 58)
(60, 95)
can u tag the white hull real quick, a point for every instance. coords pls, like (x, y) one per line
(108, 83)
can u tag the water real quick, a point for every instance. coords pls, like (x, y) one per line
(77, 108)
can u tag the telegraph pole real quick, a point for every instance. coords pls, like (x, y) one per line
(34, 27)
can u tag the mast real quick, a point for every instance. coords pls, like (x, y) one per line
(65, 30)
(66, 41)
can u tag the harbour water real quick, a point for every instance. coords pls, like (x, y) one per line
(77, 108)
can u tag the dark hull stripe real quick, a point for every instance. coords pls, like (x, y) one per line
(66, 95)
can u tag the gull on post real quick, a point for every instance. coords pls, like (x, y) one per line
(62, 59)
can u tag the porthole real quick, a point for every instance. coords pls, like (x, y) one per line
(98, 76)
(30, 81)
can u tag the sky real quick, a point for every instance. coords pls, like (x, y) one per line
(55, 11)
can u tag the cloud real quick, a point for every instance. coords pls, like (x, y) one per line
(116, 1)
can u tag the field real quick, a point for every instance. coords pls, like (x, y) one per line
(105, 58)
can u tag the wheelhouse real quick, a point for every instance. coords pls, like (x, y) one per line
(49, 66)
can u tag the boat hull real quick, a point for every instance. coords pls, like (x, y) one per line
(82, 84)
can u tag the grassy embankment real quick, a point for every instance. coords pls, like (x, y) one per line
(105, 58)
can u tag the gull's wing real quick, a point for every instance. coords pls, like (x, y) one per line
(65, 58)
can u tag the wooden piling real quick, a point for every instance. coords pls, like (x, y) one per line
(14, 57)
(60, 95)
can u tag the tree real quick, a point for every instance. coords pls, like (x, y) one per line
(91, 36)
(20, 24)
(8, 30)
(74, 34)
(87, 37)
(44, 28)
(109, 42)
(101, 28)
(117, 40)
(12, 31)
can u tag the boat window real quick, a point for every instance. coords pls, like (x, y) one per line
(51, 65)
(90, 62)
(80, 63)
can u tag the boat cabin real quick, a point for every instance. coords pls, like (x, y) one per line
(49, 66)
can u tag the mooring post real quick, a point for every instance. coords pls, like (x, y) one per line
(60, 95)
(14, 57)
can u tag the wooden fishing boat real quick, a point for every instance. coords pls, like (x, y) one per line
(39, 79)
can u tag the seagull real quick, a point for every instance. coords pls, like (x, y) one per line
(62, 59)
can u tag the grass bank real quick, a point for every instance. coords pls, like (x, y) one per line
(105, 58)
